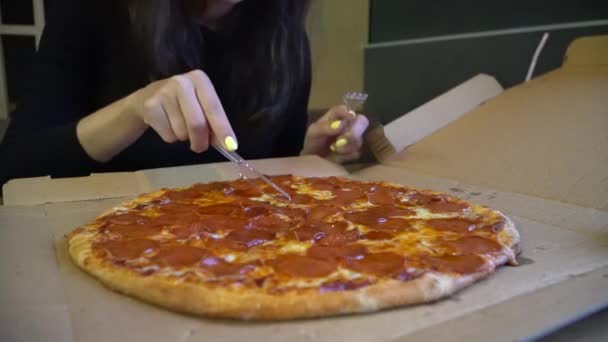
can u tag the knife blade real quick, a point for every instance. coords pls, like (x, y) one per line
(247, 171)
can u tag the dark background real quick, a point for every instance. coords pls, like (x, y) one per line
(18, 50)
(404, 76)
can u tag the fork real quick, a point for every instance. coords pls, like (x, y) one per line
(353, 101)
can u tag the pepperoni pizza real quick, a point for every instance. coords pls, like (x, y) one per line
(229, 249)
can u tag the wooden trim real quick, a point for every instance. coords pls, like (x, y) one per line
(338, 31)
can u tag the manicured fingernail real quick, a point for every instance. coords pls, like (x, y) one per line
(332, 148)
(231, 144)
(335, 125)
(352, 112)
(341, 142)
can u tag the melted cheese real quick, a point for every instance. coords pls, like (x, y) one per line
(296, 247)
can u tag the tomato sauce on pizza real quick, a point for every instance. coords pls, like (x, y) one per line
(336, 235)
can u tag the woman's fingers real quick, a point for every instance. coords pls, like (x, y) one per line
(194, 117)
(334, 121)
(219, 126)
(352, 140)
(154, 116)
(169, 103)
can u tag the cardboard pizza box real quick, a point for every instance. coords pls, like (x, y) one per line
(563, 272)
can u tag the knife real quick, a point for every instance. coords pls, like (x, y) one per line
(247, 171)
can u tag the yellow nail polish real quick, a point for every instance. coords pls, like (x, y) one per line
(332, 148)
(341, 142)
(335, 125)
(231, 144)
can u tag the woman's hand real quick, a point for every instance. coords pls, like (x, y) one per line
(183, 107)
(337, 135)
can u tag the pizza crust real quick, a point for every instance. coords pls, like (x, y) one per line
(207, 300)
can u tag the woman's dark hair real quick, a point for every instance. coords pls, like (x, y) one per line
(266, 55)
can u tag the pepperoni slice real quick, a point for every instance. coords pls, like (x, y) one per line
(364, 217)
(183, 195)
(179, 256)
(126, 218)
(343, 197)
(337, 252)
(301, 199)
(178, 207)
(272, 223)
(175, 218)
(209, 187)
(463, 264)
(226, 209)
(128, 249)
(220, 268)
(303, 266)
(325, 184)
(446, 207)
(321, 212)
(340, 238)
(418, 198)
(379, 264)
(281, 179)
(473, 245)
(187, 230)
(382, 195)
(214, 223)
(255, 211)
(244, 188)
(436, 203)
(249, 238)
(225, 244)
(133, 231)
(307, 233)
(392, 225)
(378, 235)
(316, 230)
(375, 215)
(454, 225)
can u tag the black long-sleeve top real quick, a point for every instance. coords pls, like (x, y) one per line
(86, 61)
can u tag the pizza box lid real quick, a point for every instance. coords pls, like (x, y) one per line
(546, 138)
(564, 252)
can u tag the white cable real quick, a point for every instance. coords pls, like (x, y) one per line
(539, 48)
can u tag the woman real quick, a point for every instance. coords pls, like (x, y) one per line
(123, 85)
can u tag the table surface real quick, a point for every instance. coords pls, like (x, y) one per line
(592, 328)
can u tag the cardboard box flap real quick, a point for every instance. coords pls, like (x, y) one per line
(588, 51)
(546, 138)
(426, 119)
(42, 190)
(187, 175)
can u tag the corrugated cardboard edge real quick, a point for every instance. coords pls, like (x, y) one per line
(541, 312)
(433, 115)
(43, 190)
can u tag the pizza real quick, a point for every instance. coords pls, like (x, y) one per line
(237, 249)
